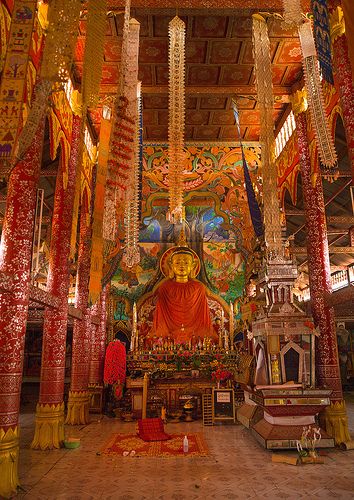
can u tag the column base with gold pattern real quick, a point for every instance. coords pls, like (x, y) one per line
(78, 408)
(9, 450)
(49, 430)
(336, 422)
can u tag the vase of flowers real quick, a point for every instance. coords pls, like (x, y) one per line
(221, 376)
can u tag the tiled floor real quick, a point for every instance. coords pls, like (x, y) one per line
(236, 468)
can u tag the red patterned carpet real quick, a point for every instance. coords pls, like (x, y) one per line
(119, 444)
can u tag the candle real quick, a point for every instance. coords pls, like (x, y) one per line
(145, 394)
(231, 324)
(134, 330)
(135, 316)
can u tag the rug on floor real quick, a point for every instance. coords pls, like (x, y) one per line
(120, 444)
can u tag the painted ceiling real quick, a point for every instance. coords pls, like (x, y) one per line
(219, 65)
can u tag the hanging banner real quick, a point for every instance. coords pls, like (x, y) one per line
(322, 38)
(253, 206)
(14, 76)
(96, 272)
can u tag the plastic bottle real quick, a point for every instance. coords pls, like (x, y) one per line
(185, 444)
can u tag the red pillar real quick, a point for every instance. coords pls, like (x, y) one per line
(343, 76)
(78, 403)
(98, 341)
(49, 431)
(327, 363)
(15, 260)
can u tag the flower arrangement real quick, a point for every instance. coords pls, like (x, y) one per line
(309, 439)
(221, 374)
(162, 364)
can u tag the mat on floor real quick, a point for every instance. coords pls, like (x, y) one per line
(120, 444)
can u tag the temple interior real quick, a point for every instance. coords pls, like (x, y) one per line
(176, 252)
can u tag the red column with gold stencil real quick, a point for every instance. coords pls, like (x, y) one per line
(98, 341)
(343, 76)
(78, 402)
(49, 430)
(327, 364)
(94, 378)
(15, 261)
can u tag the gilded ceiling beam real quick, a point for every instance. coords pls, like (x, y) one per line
(240, 90)
(253, 5)
(332, 250)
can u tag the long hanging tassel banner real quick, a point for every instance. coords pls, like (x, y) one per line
(322, 38)
(131, 254)
(141, 155)
(116, 176)
(263, 68)
(124, 128)
(328, 156)
(315, 99)
(94, 51)
(253, 206)
(176, 112)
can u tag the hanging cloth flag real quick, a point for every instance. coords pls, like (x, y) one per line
(255, 212)
(322, 38)
(315, 99)
(115, 365)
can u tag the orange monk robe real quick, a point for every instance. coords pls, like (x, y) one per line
(182, 304)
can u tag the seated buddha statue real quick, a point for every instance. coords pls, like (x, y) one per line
(182, 312)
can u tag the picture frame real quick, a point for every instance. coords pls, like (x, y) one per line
(223, 405)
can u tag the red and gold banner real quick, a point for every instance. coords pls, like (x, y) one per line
(97, 227)
(14, 75)
(5, 22)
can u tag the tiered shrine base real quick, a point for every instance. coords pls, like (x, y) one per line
(277, 415)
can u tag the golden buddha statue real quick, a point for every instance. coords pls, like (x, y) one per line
(182, 312)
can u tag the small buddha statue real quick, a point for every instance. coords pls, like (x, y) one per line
(182, 310)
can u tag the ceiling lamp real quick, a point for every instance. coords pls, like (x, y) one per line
(176, 120)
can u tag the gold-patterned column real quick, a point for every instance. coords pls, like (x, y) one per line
(327, 363)
(343, 77)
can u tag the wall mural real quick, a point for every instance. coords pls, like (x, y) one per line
(218, 224)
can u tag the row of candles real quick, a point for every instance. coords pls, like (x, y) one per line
(225, 337)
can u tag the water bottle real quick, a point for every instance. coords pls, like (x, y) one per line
(185, 444)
